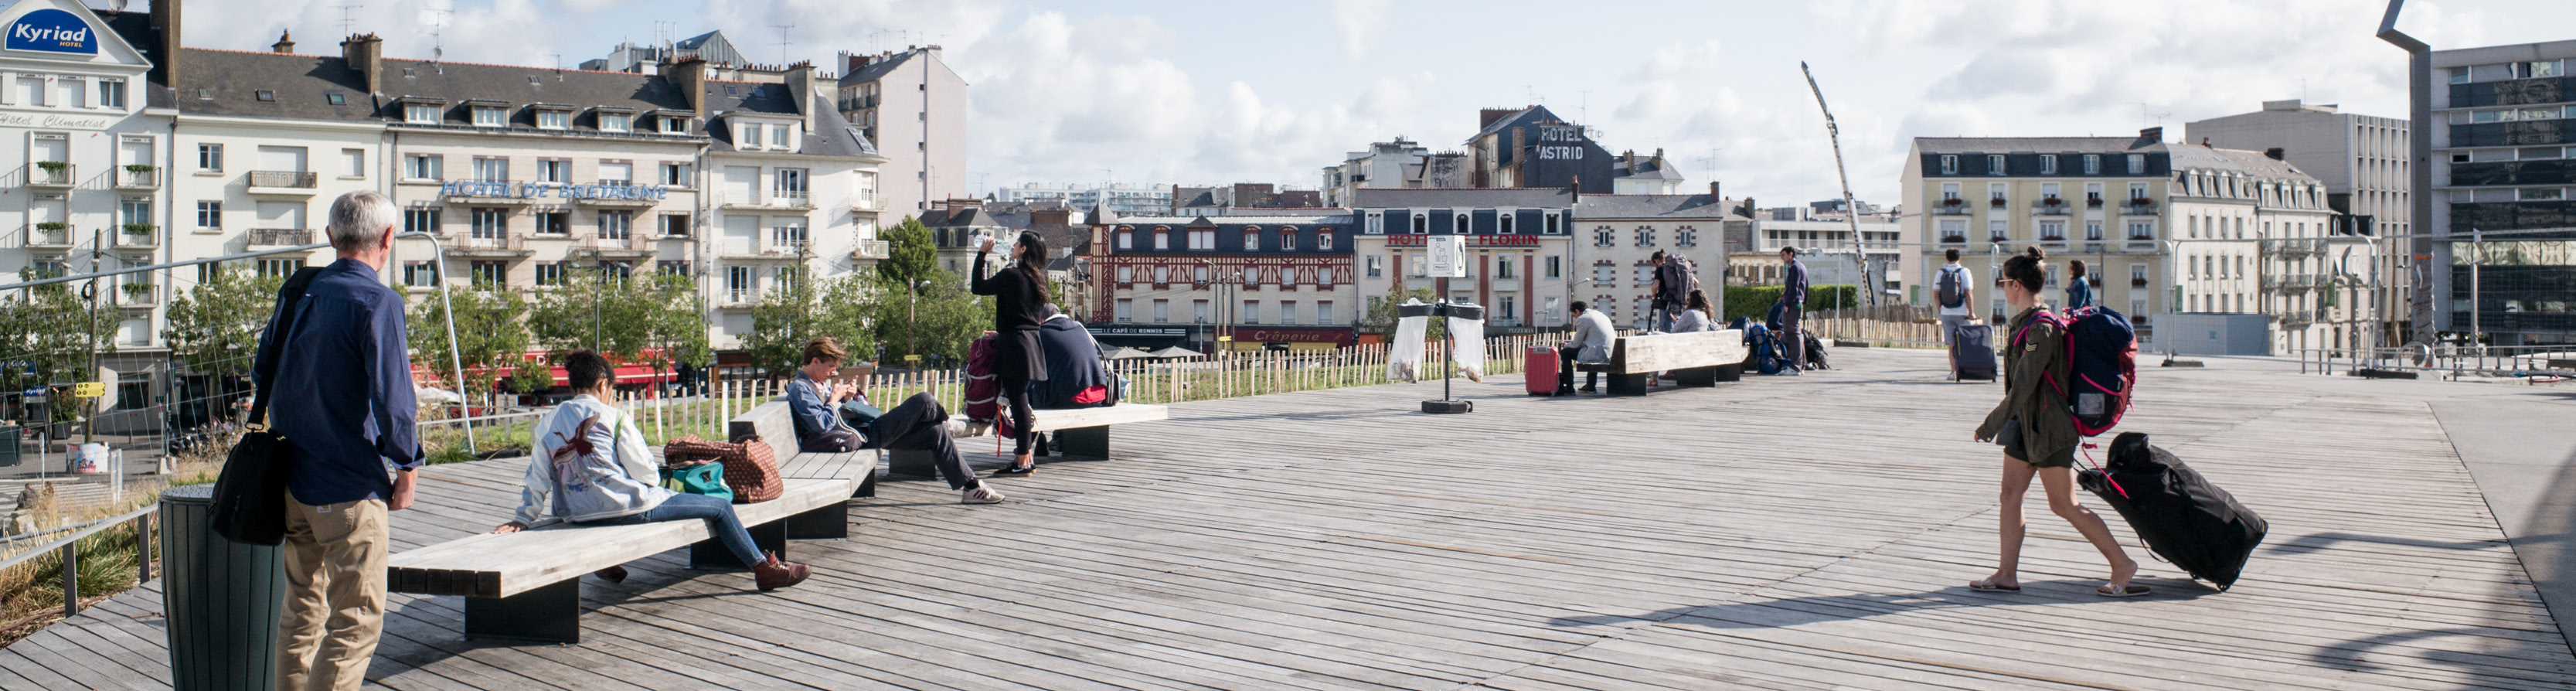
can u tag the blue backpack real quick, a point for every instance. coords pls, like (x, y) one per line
(1767, 355)
(2101, 368)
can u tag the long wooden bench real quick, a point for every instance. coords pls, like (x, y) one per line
(1699, 358)
(1078, 432)
(527, 585)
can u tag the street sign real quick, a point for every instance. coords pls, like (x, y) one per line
(1447, 258)
(35, 394)
(89, 389)
(912, 358)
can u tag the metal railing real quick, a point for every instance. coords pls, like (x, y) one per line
(2453, 361)
(138, 235)
(2138, 208)
(791, 198)
(260, 237)
(32, 236)
(49, 174)
(140, 178)
(69, 546)
(289, 179)
(866, 200)
(471, 241)
(2051, 208)
(872, 249)
(1947, 209)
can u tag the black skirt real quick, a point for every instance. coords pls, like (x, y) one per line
(1017, 355)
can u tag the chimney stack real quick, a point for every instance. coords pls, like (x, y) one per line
(2152, 135)
(365, 54)
(285, 43)
(2273, 153)
(689, 75)
(165, 17)
(1713, 196)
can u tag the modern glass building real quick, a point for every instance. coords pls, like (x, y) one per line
(2504, 192)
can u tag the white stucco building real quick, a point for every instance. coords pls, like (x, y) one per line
(85, 152)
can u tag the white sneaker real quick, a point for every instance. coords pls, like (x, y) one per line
(981, 494)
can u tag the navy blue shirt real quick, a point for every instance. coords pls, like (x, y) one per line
(1793, 284)
(343, 393)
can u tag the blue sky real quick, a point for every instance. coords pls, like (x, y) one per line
(1202, 92)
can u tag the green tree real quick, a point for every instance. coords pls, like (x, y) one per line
(658, 319)
(800, 308)
(52, 331)
(911, 255)
(215, 326)
(936, 318)
(490, 334)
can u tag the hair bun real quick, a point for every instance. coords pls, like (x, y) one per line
(2034, 252)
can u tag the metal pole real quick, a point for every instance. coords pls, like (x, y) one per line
(71, 579)
(454, 358)
(2477, 328)
(2419, 168)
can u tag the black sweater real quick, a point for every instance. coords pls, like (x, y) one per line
(1018, 303)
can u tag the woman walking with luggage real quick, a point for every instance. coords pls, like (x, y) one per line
(1019, 306)
(2079, 291)
(2038, 435)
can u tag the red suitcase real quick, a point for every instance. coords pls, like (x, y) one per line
(1540, 369)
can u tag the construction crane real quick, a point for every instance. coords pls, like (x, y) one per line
(1851, 209)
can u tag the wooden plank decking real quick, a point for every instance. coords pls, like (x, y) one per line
(1808, 533)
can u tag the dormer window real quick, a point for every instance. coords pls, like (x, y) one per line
(554, 120)
(264, 95)
(490, 116)
(420, 113)
(778, 136)
(616, 122)
(673, 124)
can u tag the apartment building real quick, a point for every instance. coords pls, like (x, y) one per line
(914, 108)
(1519, 250)
(2362, 160)
(2256, 236)
(793, 193)
(1279, 281)
(85, 155)
(1832, 255)
(1532, 147)
(265, 142)
(2101, 199)
(1618, 235)
(1125, 199)
(2502, 175)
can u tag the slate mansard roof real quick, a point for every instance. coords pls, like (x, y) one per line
(1420, 198)
(1654, 207)
(831, 135)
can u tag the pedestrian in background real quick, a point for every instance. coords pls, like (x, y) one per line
(348, 410)
(1793, 304)
(2079, 290)
(1019, 293)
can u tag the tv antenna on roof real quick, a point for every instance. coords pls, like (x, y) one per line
(1710, 161)
(348, 19)
(437, 41)
(2145, 115)
(782, 42)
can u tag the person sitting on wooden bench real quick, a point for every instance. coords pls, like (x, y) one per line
(919, 424)
(1590, 345)
(590, 466)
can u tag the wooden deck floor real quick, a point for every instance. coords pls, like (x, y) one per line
(1808, 533)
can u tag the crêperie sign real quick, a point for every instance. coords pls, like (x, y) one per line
(52, 31)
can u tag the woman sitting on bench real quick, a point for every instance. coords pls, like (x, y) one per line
(919, 424)
(591, 467)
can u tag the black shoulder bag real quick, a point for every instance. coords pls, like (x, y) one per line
(250, 495)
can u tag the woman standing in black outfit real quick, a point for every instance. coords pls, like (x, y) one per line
(1019, 303)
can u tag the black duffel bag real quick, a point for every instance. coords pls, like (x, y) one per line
(250, 495)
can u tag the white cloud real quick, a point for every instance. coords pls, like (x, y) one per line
(1359, 22)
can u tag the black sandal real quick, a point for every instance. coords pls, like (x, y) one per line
(1016, 470)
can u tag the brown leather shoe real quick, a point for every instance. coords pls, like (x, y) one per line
(774, 574)
(613, 574)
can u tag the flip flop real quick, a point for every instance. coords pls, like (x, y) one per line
(1988, 584)
(2133, 590)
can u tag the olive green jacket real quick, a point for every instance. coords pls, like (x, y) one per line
(2047, 429)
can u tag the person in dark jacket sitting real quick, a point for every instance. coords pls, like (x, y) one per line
(918, 424)
(1076, 376)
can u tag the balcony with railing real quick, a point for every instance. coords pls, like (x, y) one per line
(2138, 244)
(471, 244)
(633, 245)
(2138, 207)
(284, 183)
(871, 249)
(279, 237)
(138, 295)
(50, 175)
(139, 177)
(1953, 206)
(138, 235)
(1996, 202)
(46, 235)
(866, 200)
(737, 297)
(2051, 206)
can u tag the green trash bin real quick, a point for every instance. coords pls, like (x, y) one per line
(220, 598)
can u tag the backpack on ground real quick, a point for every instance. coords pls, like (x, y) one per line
(1763, 350)
(1951, 289)
(1814, 352)
(2100, 367)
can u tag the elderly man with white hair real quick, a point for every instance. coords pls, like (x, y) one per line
(340, 388)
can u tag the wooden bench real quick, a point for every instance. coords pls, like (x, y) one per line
(527, 585)
(1079, 432)
(776, 426)
(1699, 358)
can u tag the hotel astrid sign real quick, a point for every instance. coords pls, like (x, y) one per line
(530, 190)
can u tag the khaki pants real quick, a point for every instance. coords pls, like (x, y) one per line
(335, 600)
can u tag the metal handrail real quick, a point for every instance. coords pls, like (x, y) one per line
(69, 545)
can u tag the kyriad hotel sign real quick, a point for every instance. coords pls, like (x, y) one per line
(52, 31)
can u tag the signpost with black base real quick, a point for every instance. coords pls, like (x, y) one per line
(1454, 311)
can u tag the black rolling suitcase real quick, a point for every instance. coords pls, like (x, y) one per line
(1973, 357)
(1814, 352)
(2182, 517)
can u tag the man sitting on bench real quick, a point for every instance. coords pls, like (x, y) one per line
(919, 424)
(590, 466)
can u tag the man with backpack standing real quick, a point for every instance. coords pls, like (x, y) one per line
(1950, 291)
(1793, 304)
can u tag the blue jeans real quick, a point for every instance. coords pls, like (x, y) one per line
(718, 513)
